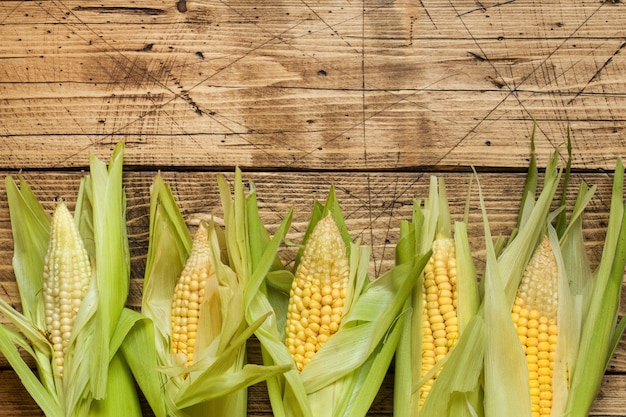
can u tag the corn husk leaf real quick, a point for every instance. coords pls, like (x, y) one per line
(45, 399)
(145, 366)
(121, 398)
(601, 329)
(561, 222)
(252, 251)
(30, 225)
(529, 193)
(575, 257)
(101, 218)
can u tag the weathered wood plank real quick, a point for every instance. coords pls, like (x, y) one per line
(291, 85)
(17, 403)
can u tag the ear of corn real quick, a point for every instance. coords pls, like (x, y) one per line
(356, 355)
(505, 363)
(565, 327)
(194, 328)
(343, 374)
(445, 300)
(63, 295)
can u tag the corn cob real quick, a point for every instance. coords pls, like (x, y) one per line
(440, 323)
(67, 273)
(197, 282)
(535, 317)
(318, 292)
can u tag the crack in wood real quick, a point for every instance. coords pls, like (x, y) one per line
(150, 11)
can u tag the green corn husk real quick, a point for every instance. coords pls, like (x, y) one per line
(253, 254)
(600, 291)
(344, 376)
(215, 384)
(93, 365)
(457, 390)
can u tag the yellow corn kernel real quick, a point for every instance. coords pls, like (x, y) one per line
(318, 292)
(440, 323)
(67, 274)
(197, 283)
(537, 299)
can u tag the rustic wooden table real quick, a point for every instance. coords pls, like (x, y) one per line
(372, 96)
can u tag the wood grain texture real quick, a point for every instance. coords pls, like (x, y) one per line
(311, 85)
(372, 97)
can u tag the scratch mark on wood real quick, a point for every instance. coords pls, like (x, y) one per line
(363, 125)
(10, 13)
(328, 25)
(4, 290)
(513, 90)
(388, 228)
(385, 209)
(597, 73)
(427, 15)
(482, 8)
(183, 93)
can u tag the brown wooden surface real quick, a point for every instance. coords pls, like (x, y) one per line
(372, 96)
